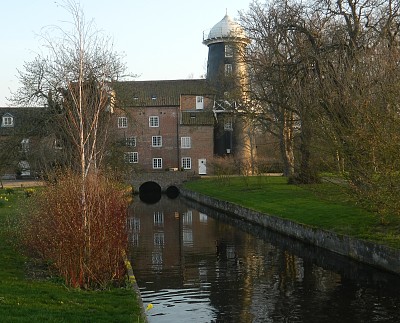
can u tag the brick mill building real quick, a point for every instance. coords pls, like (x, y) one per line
(178, 124)
(183, 124)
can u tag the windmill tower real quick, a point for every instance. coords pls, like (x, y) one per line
(226, 74)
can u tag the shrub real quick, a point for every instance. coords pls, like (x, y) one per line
(3, 201)
(29, 192)
(81, 235)
(9, 190)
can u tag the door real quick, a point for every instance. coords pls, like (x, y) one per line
(202, 166)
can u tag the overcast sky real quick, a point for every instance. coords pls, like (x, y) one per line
(161, 39)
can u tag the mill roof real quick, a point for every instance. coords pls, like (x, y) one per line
(158, 93)
(227, 28)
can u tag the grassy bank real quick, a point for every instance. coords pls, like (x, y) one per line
(326, 206)
(29, 295)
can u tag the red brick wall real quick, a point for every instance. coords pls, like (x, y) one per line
(202, 145)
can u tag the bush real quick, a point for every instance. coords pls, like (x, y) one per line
(9, 190)
(81, 235)
(29, 192)
(3, 201)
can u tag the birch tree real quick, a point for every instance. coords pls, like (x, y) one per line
(74, 80)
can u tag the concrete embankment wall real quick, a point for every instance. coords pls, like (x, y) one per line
(373, 254)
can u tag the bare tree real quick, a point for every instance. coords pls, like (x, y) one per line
(74, 80)
(334, 66)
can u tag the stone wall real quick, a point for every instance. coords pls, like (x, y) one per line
(163, 178)
(373, 254)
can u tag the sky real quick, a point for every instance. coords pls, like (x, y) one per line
(159, 39)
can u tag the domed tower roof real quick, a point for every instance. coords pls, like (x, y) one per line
(226, 29)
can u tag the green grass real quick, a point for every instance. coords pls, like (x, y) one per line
(326, 206)
(24, 299)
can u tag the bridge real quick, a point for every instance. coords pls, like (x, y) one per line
(165, 180)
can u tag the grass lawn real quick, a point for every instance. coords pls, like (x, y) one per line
(24, 299)
(326, 206)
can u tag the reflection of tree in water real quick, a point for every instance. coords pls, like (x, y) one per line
(255, 276)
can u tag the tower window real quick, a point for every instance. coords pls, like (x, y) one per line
(228, 125)
(228, 69)
(228, 51)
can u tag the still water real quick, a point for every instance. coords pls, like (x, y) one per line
(197, 265)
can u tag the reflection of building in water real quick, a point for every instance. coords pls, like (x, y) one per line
(176, 247)
(168, 232)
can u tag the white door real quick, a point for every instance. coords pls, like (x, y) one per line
(202, 166)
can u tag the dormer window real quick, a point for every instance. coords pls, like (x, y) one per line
(7, 120)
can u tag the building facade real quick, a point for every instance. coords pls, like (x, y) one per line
(181, 124)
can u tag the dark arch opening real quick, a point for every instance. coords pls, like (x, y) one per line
(150, 192)
(172, 192)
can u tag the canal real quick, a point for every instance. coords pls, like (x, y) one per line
(194, 264)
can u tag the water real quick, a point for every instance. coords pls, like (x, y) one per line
(197, 265)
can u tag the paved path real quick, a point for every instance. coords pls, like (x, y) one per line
(21, 183)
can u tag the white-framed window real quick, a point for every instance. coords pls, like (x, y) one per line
(157, 163)
(7, 120)
(130, 141)
(57, 144)
(228, 125)
(122, 122)
(25, 145)
(228, 69)
(159, 239)
(158, 217)
(186, 142)
(199, 102)
(228, 50)
(154, 121)
(132, 157)
(156, 141)
(187, 163)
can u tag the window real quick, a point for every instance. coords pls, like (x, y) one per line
(122, 122)
(159, 239)
(228, 51)
(154, 121)
(131, 157)
(199, 103)
(7, 120)
(157, 163)
(25, 145)
(158, 218)
(228, 69)
(130, 141)
(185, 142)
(156, 141)
(187, 163)
(57, 144)
(228, 125)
